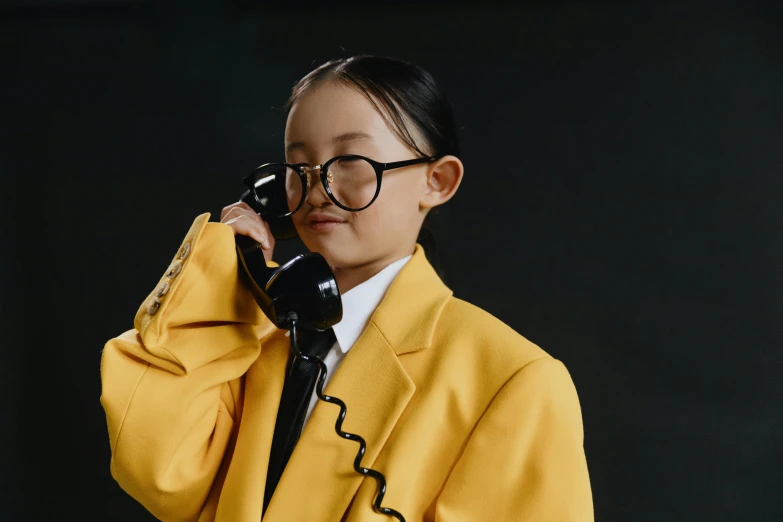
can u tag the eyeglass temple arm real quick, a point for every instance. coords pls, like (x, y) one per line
(405, 163)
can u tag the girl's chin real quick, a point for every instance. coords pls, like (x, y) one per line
(326, 244)
(338, 253)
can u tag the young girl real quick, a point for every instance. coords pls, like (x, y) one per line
(466, 419)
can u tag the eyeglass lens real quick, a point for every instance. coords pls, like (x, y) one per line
(352, 182)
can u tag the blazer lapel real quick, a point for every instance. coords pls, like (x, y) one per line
(319, 480)
(243, 490)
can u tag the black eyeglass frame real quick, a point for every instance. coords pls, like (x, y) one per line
(379, 168)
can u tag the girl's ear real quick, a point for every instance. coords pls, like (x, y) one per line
(443, 179)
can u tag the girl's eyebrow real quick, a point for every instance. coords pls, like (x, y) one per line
(342, 138)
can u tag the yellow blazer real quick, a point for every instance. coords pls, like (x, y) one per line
(468, 420)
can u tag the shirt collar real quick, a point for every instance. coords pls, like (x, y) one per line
(360, 302)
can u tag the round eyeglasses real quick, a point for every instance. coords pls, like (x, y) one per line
(352, 182)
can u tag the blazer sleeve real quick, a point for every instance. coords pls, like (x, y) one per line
(525, 459)
(170, 387)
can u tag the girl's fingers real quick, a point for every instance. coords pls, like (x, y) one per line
(270, 239)
(243, 220)
(236, 208)
(249, 227)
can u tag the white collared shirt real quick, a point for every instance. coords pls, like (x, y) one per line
(359, 303)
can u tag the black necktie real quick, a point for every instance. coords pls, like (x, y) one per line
(297, 391)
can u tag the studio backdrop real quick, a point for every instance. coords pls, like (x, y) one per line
(622, 208)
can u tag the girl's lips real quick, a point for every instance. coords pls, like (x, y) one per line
(319, 221)
(324, 226)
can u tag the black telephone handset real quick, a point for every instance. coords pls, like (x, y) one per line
(303, 291)
(303, 294)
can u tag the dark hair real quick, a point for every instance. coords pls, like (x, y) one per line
(412, 103)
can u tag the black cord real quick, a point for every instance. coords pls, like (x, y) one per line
(357, 463)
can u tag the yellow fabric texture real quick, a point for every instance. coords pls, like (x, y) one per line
(467, 419)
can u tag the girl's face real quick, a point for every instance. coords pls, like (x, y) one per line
(330, 120)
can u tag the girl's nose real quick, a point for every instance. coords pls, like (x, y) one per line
(316, 194)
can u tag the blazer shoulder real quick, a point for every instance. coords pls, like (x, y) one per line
(474, 355)
(478, 330)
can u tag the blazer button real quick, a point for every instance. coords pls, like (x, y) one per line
(174, 270)
(184, 251)
(162, 289)
(153, 306)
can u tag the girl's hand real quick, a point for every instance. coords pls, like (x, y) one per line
(244, 220)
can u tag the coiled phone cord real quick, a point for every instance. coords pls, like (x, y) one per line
(319, 391)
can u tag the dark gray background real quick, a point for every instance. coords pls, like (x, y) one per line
(621, 208)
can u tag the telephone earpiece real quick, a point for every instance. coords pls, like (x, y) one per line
(304, 286)
(282, 227)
